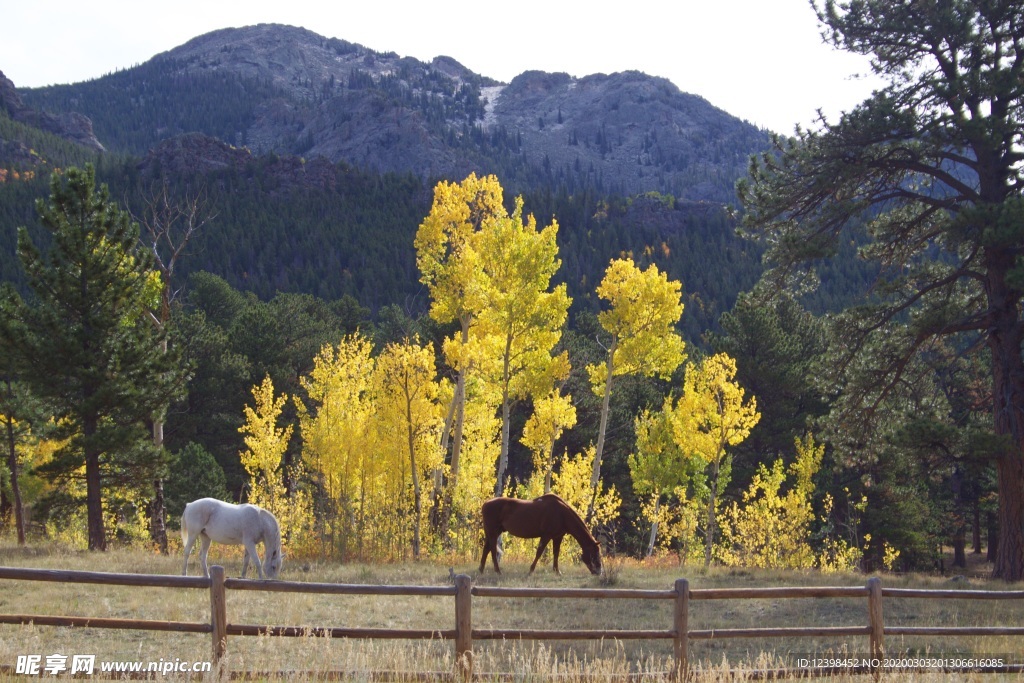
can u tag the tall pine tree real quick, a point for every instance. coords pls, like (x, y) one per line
(928, 172)
(89, 349)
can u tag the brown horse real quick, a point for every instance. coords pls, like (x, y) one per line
(549, 518)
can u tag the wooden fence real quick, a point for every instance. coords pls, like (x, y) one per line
(463, 634)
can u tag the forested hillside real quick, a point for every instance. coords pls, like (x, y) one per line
(283, 225)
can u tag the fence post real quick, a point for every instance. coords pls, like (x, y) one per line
(876, 622)
(218, 613)
(681, 626)
(464, 626)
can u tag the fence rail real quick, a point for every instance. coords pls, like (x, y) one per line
(463, 634)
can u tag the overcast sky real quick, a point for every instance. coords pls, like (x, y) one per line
(760, 60)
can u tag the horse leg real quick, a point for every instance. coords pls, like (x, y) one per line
(245, 562)
(483, 558)
(540, 551)
(190, 541)
(495, 552)
(556, 545)
(250, 551)
(204, 549)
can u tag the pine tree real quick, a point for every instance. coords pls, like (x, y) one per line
(90, 352)
(927, 172)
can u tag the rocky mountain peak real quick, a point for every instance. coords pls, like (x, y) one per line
(69, 125)
(295, 59)
(287, 90)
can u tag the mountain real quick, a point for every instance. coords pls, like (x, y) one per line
(71, 125)
(318, 158)
(288, 91)
(35, 142)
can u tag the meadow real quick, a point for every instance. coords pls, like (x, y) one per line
(310, 657)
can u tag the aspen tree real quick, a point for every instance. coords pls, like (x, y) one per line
(336, 435)
(659, 467)
(551, 416)
(772, 528)
(451, 268)
(263, 459)
(644, 308)
(521, 312)
(710, 416)
(406, 393)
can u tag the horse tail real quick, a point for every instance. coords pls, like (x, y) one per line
(188, 516)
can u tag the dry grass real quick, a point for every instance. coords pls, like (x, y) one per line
(524, 661)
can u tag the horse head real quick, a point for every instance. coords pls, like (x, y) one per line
(592, 558)
(273, 556)
(272, 564)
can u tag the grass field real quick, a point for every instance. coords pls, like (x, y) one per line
(527, 660)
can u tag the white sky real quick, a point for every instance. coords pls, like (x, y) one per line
(760, 60)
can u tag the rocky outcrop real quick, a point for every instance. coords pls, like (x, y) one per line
(201, 155)
(69, 125)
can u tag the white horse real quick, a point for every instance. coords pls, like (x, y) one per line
(214, 520)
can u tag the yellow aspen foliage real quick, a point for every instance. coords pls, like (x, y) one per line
(772, 529)
(337, 439)
(263, 459)
(450, 264)
(476, 485)
(643, 310)
(677, 522)
(572, 483)
(446, 251)
(265, 444)
(29, 452)
(662, 472)
(684, 525)
(408, 420)
(552, 415)
(838, 554)
(890, 556)
(712, 415)
(658, 466)
(521, 313)
(34, 451)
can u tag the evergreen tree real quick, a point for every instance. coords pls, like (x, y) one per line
(929, 169)
(776, 348)
(194, 474)
(17, 410)
(89, 349)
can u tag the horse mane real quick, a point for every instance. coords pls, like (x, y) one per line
(575, 516)
(271, 529)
